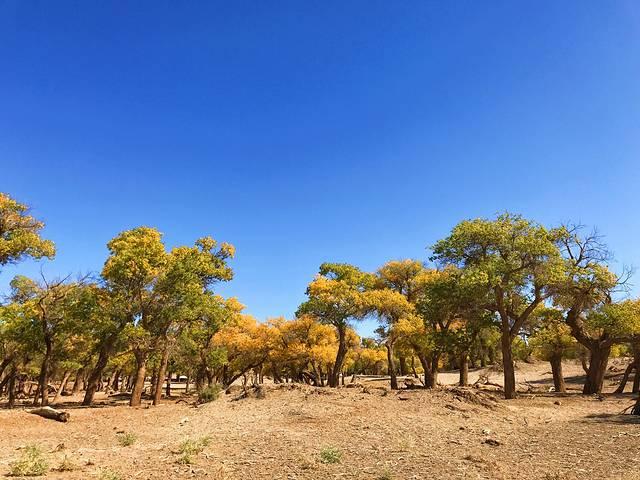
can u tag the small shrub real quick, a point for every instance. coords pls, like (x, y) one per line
(127, 439)
(209, 394)
(66, 465)
(32, 463)
(330, 455)
(108, 474)
(191, 448)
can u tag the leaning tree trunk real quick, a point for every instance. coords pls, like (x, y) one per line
(77, 382)
(556, 370)
(334, 375)
(635, 365)
(464, 370)
(162, 371)
(43, 379)
(63, 385)
(141, 370)
(625, 377)
(598, 361)
(391, 366)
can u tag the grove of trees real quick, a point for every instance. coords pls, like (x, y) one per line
(494, 291)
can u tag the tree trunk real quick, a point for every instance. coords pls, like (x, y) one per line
(430, 377)
(464, 370)
(556, 370)
(162, 371)
(94, 377)
(141, 370)
(391, 366)
(598, 361)
(167, 390)
(77, 381)
(625, 377)
(4, 364)
(154, 379)
(43, 379)
(334, 375)
(12, 387)
(507, 363)
(403, 365)
(63, 385)
(116, 380)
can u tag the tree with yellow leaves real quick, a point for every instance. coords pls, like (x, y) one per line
(20, 233)
(245, 345)
(337, 297)
(304, 350)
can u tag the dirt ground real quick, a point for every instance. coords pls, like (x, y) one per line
(409, 434)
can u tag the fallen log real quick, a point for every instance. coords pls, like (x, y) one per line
(51, 414)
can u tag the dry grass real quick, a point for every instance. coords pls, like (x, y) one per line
(407, 435)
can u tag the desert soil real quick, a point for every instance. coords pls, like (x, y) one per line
(409, 434)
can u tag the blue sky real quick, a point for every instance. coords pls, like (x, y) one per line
(305, 132)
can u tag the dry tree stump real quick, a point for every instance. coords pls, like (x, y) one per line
(51, 414)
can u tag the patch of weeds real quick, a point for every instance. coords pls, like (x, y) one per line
(108, 474)
(386, 475)
(404, 445)
(32, 463)
(192, 448)
(66, 465)
(330, 455)
(127, 439)
(209, 394)
(554, 476)
(304, 463)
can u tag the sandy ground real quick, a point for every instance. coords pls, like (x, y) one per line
(410, 434)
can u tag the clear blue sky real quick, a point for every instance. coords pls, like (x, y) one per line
(305, 132)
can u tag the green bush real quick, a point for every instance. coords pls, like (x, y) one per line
(190, 448)
(108, 474)
(330, 455)
(32, 463)
(209, 394)
(126, 439)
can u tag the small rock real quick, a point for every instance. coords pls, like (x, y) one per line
(486, 431)
(557, 402)
(492, 441)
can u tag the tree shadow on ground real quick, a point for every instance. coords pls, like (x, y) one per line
(618, 418)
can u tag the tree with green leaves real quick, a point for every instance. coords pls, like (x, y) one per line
(552, 341)
(51, 306)
(586, 294)
(136, 260)
(516, 260)
(337, 297)
(20, 233)
(184, 293)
